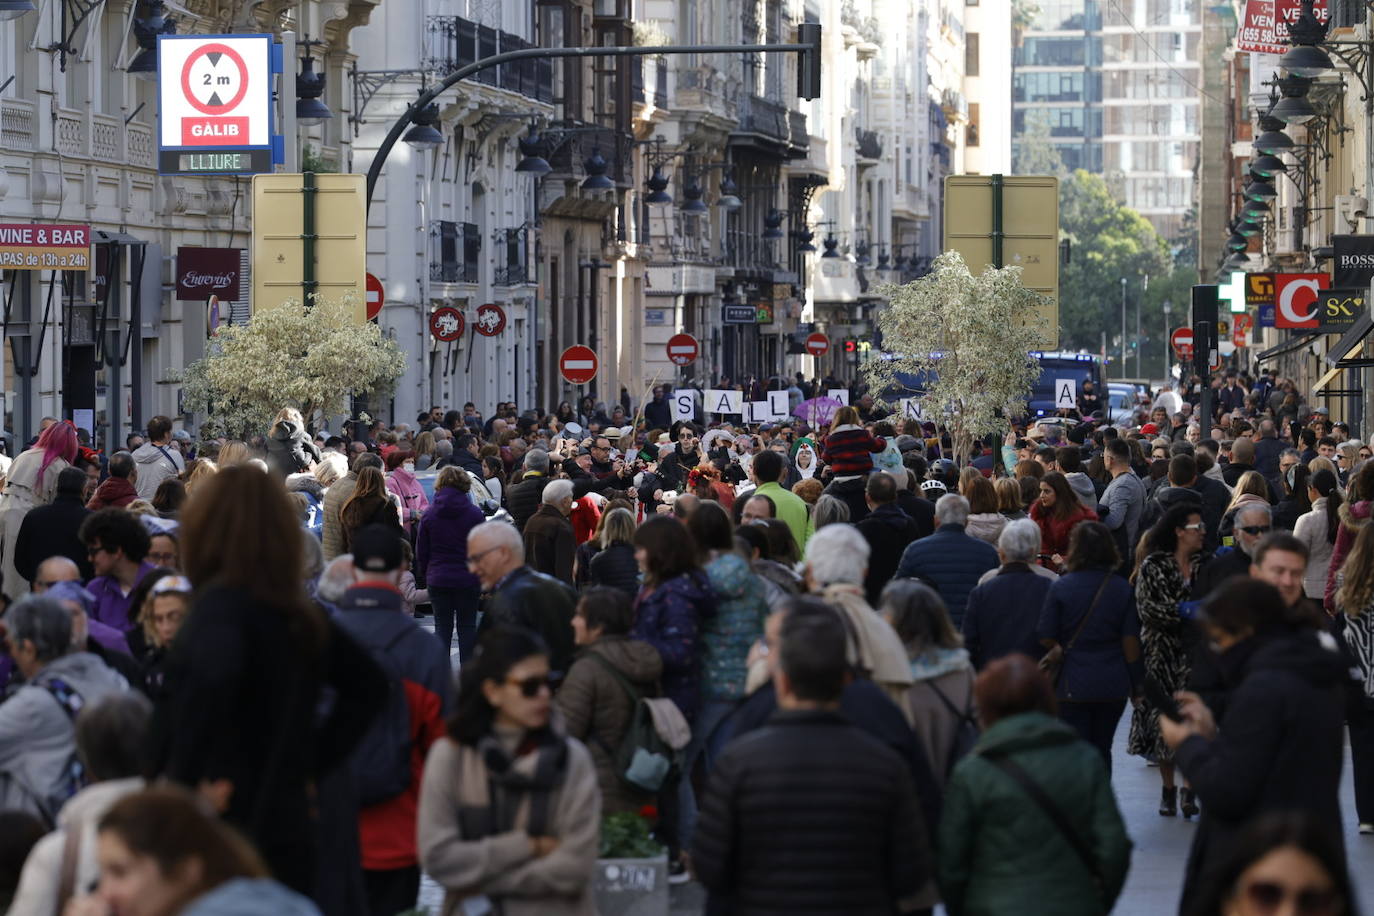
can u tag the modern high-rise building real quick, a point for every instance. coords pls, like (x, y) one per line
(1114, 86)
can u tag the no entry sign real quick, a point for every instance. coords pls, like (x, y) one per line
(1182, 340)
(578, 364)
(817, 344)
(682, 349)
(375, 297)
(446, 323)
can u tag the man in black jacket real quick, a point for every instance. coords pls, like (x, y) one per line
(854, 841)
(51, 531)
(525, 497)
(687, 455)
(887, 529)
(465, 450)
(515, 595)
(657, 413)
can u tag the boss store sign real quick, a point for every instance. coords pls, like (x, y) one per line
(1353, 261)
(206, 272)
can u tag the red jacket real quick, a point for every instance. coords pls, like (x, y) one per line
(113, 491)
(1054, 532)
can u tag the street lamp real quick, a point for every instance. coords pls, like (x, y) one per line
(772, 225)
(693, 192)
(658, 189)
(597, 167)
(1122, 374)
(832, 245)
(424, 135)
(531, 148)
(1294, 108)
(1168, 307)
(309, 87)
(729, 198)
(146, 31)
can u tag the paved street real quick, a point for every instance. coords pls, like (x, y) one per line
(1161, 844)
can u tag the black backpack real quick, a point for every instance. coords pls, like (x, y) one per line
(381, 761)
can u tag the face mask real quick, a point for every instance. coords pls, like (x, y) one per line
(408, 467)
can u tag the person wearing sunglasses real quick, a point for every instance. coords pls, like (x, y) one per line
(1284, 865)
(510, 812)
(1251, 523)
(1278, 746)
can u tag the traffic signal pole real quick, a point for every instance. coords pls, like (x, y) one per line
(808, 76)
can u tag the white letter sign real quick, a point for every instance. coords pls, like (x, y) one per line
(684, 404)
(1065, 393)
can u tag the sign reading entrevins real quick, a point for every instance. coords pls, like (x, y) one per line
(44, 246)
(215, 103)
(202, 272)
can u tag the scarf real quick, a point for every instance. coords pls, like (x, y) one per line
(937, 662)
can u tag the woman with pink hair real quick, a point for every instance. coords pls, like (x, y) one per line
(32, 481)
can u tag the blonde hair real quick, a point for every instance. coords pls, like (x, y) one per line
(145, 614)
(1322, 463)
(1251, 483)
(1357, 575)
(234, 452)
(141, 507)
(290, 414)
(617, 526)
(204, 469)
(845, 416)
(424, 444)
(1008, 495)
(330, 468)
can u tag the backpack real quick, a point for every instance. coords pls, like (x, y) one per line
(966, 731)
(381, 761)
(643, 760)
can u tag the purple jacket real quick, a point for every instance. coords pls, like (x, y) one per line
(111, 604)
(669, 618)
(441, 549)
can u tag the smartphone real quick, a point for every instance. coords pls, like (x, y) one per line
(1162, 700)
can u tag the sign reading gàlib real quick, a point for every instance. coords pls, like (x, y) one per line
(44, 246)
(215, 104)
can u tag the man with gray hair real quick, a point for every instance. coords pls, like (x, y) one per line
(1004, 609)
(515, 595)
(38, 766)
(524, 498)
(837, 559)
(549, 542)
(1252, 522)
(117, 490)
(949, 561)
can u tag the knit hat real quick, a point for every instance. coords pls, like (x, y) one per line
(1149, 429)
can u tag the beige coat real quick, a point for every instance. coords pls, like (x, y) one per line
(873, 644)
(331, 532)
(503, 866)
(23, 491)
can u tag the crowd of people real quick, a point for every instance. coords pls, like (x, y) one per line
(823, 665)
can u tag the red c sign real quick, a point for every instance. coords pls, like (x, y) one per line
(1295, 299)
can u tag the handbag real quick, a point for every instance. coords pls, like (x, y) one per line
(1052, 663)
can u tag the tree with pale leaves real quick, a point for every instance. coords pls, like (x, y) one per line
(312, 359)
(968, 339)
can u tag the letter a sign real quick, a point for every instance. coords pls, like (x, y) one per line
(1065, 393)
(215, 100)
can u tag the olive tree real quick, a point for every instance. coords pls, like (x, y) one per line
(969, 339)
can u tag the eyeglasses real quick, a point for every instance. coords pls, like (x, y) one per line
(1255, 530)
(474, 559)
(92, 551)
(530, 686)
(1196, 526)
(1267, 897)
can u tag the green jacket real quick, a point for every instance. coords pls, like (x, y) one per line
(998, 849)
(792, 509)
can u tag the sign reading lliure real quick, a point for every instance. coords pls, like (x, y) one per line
(1353, 262)
(205, 272)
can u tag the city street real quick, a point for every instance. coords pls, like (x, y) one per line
(1157, 861)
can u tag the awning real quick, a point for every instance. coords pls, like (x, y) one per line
(1288, 346)
(1331, 373)
(1350, 340)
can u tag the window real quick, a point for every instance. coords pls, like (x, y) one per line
(971, 54)
(971, 134)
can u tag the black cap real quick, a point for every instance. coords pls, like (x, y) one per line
(377, 548)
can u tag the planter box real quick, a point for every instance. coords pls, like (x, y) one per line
(631, 887)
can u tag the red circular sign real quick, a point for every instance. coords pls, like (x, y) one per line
(490, 321)
(817, 344)
(211, 107)
(447, 323)
(578, 364)
(1182, 339)
(682, 349)
(376, 295)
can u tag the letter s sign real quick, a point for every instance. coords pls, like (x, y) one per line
(1295, 298)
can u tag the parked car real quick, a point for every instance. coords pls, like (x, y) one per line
(479, 494)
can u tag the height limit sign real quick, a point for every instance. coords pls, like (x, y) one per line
(215, 104)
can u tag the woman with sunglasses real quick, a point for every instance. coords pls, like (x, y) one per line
(1278, 745)
(1163, 580)
(1284, 864)
(510, 811)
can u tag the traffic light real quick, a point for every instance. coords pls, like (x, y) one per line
(851, 346)
(809, 60)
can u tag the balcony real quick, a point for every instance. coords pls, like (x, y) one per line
(770, 127)
(569, 152)
(511, 247)
(954, 105)
(455, 42)
(704, 88)
(455, 250)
